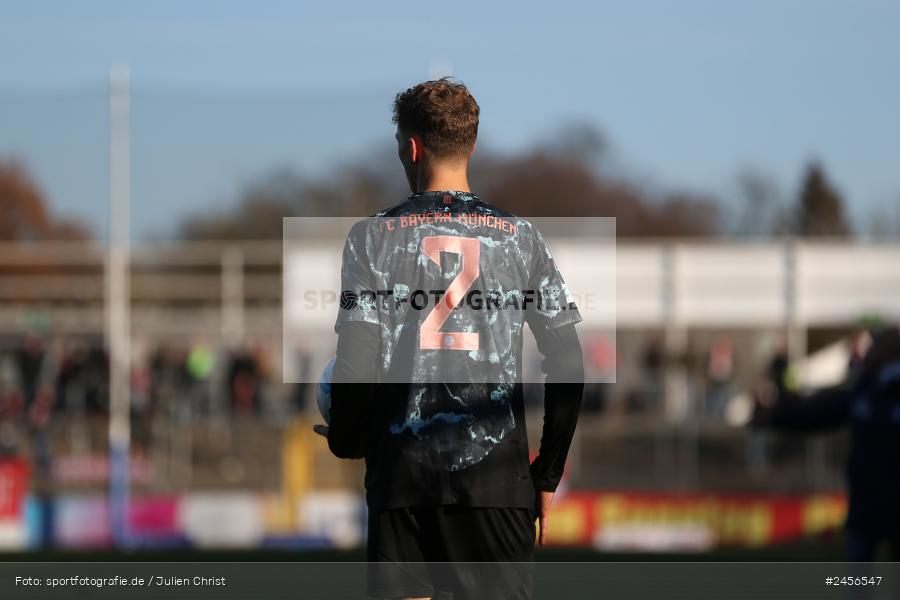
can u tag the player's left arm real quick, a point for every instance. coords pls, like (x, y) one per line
(563, 389)
(553, 326)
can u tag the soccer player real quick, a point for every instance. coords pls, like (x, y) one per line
(428, 377)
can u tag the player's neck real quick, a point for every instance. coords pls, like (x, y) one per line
(443, 180)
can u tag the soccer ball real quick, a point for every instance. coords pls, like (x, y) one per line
(323, 390)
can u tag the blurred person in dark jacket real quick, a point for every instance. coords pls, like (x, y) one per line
(868, 401)
(244, 382)
(38, 369)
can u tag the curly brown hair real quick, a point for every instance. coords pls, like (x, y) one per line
(443, 113)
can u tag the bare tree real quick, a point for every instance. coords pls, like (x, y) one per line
(760, 202)
(25, 214)
(558, 179)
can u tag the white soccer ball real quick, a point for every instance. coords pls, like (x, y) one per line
(323, 390)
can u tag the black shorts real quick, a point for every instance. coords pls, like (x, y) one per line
(470, 552)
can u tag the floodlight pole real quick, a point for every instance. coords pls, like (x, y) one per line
(118, 303)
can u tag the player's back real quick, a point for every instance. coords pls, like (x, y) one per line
(450, 281)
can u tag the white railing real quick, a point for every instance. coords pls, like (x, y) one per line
(234, 289)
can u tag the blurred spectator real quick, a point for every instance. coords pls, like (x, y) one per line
(601, 361)
(719, 376)
(83, 378)
(301, 395)
(243, 383)
(37, 371)
(199, 366)
(167, 377)
(869, 402)
(649, 396)
(30, 363)
(11, 405)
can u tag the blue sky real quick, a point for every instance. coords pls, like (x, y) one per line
(688, 92)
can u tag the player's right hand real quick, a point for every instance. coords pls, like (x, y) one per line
(543, 501)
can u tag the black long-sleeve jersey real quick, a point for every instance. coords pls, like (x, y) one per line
(428, 378)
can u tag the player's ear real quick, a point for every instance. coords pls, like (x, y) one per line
(415, 150)
(474, 145)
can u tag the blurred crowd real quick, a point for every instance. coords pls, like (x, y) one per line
(44, 380)
(194, 405)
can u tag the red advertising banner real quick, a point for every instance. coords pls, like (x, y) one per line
(13, 485)
(675, 521)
